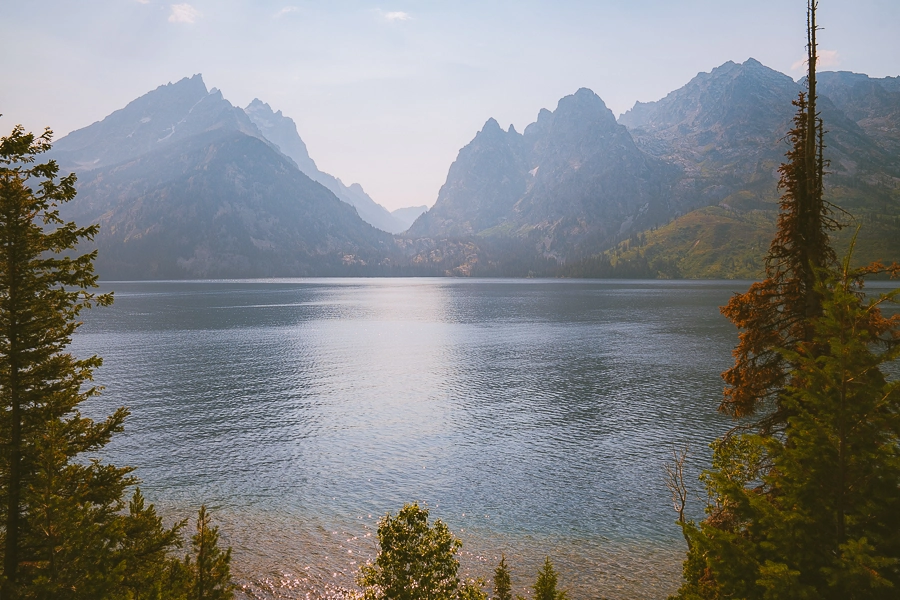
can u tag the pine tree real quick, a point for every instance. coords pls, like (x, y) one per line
(502, 581)
(64, 534)
(209, 567)
(151, 573)
(832, 507)
(545, 585)
(813, 512)
(44, 494)
(804, 502)
(775, 313)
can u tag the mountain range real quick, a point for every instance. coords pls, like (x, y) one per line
(695, 173)
(184, 184)
(543, 185)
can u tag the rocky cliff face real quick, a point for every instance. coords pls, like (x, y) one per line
(578, 181)
(162, 118)
(589, 183)
(281, 131)
(873, 104)
(731, 118)
(483, 185)
(574, 179)
(726, 129)
(183, 184)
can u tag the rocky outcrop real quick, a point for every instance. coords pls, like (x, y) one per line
(872, 103)
(573, 180)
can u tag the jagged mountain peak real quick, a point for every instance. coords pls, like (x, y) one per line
(584, 105)
(573, 112)
(194, 83)
(263, 109)
(585, 97)
(575, 175)
(731, 92)
(257, 103)
(170, 113)
(281, 131)
(491, 127)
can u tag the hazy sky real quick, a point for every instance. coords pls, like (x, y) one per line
(385, 93)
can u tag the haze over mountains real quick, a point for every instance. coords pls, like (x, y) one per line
(572, 181)
(578, 182)
(186, 185)
(282, 131)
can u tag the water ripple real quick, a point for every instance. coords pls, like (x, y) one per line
(532, 416)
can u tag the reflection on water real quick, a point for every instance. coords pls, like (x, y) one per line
(532, 416)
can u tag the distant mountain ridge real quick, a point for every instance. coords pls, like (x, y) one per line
(176, 112)
(873, 103)
(168, 115)
(572, 181)
(184, 185)
(408, 214)
(578, 182)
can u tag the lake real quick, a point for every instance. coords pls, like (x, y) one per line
(532, 416)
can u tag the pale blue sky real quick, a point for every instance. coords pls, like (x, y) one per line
(385, 93)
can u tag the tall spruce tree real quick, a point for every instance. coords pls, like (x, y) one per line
(502, 581)
(42, 292)
(775, 313)
(209, 568)
(63, 530)
(813, 512)
(546, 582)
(804, 502)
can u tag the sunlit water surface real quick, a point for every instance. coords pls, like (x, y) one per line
(532, 416)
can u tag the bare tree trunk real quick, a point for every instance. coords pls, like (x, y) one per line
(675, 482)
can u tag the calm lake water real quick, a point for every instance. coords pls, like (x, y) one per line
(532, 416)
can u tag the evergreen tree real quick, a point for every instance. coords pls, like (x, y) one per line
(151, 573)
(63, 534)
(46, 499)
(417, 561)
(775, 313)
(545, 586)
(502, 581)
(804, 502)
(209, 568)
(813, 512)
